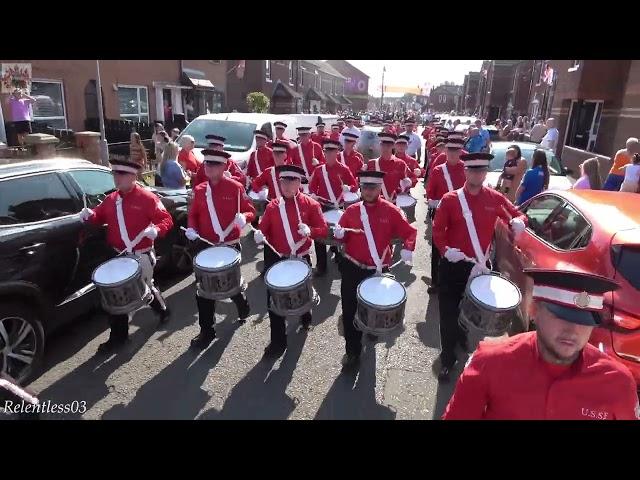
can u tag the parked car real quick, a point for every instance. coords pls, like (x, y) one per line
(591, 231)
(47, 255)
(558, 174)
(368, 144)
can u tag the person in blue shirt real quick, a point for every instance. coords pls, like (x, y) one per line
(475, 143)
(171, 172)
(484, 133)
(535, 180)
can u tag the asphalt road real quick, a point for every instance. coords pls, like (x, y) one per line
(156, 376)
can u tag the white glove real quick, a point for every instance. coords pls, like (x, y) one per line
(191, 234)
(263, 194)
(417, 172)
(338, 232)
(86, 214)
(304, 230)
(151, 232)
(433, 203)
(258, 237)
(405, 182)
(406, 256)
(454, 255)
(314, 161)
(346, 188)
(479, 270)
(227, 173)
(517, 225)
(240, 220)
(314, 196)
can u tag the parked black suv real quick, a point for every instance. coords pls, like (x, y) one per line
(47, 255)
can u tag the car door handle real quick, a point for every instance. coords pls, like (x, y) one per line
(31, 249)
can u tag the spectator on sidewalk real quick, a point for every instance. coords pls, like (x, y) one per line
(175, 133)
(484, 133)
(550, 139)
(589, 175)
(137, 152)
(172, 174)
(158, 141)
(512, 172)
(475, 143)
(20, 113)
(623, 157)
(538, 131)
(507, 129)
(631, 181)
(186, 157)
(536, 179)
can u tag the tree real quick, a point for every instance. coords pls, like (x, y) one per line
(258, 102)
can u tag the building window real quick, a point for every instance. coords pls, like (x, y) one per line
(290, 72)
(267, 67)
(317, 80)
(301, 75)
(442, 98)
(584, 123)
(216, 62)
(134, 103)
(49, 108)
(575, 65)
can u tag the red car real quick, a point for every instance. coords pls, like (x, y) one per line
(591, 231)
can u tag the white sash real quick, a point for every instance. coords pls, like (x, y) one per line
(447, 177)
(213, 215)
(124, 235)
(332, 196)
(342, 159)
(304, 164)
(276, 187)
(471, 228)
(384, 187)
(255, 159)
(366, 226)
(287, 228)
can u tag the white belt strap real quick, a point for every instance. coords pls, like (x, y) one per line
(255, 159)
(213, 215)
(124, 235)
(276, 187)
(327, 183)
(471, 228)
(384, 187)
(304, 164)
(373, 249)
(447, 177)
(342, 159)
(287, 227)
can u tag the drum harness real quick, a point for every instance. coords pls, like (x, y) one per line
(327, 184)
(384, 187)
(287, 228)
(481, 258)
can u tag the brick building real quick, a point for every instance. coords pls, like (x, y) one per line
(470, 89)
(445, 98)
(356, 86)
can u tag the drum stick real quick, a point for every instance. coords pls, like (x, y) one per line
(203, 239)
(267, 243)
(352, 230)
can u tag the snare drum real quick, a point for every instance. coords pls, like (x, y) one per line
(349, 198)
(381, 302)
(121, 286)
(289, 285)
(217, 271)
(488, 307)
(332, 217)
(408, 205)
(259, 203)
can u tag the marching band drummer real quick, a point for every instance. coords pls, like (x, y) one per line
(329, 182)
(320, 136)
(351, 157)
(289, 225)
(367, 249)
(335, 132)
(134, 217)
(398, 177)
(233, 171)
(269, 177)
(444, 178)
(463, 238)
(552, 373)
(261, 158)
(307, 154)
(219, 212)
(401, 152)
(280, 128)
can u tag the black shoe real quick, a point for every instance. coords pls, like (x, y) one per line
(350, 360)
(305, 324)
(274, 350)
(371, 337)
(445, 374)
(432, 289)
(165, 315)
(112, 344)
(319, 272)
(203, 339)
(244, 311)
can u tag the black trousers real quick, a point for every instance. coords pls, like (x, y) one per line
(352, 275)
(207, 307)
(435, 264)
(277, 322)
(453, 281)
(321, 248)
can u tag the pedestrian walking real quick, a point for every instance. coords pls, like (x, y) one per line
(137, 152)
(535, 180)
(550, 139)
(622, 157)
(171, 172)
(631, 181)
(589, 175)
(20, 113)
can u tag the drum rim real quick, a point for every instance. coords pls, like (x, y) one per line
(385, 308)
(475, 300)
(290, 287)
(107, 285)
(231, 265)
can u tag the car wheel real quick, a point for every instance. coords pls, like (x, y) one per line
(21, 341)
(181, 258)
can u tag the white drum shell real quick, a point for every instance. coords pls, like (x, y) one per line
(290, 298)
(375, 318)
(218, 280)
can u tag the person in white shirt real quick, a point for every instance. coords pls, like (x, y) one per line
(538, 131)
(415, 144)
(550, 140)
(349, 128)
(631, 181)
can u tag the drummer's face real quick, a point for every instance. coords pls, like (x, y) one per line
(330, 155)
(214, 171)
(348, 145)
(370, 192)
(279, 157)
(401, 147)
(453, 154)
(386, 148)
(124, 181)
(279, 132)
(559, 341)
(260, 142)
(475, 176)
(289, 186)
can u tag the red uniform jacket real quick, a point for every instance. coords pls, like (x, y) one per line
(335, 136)
(450, 228)
(225, 197)
(395, 170)
(437, 185)
(265, 159)
(440, 159)
(310, 214)
(338, 174)
(319, 139)
(310, 150)
(265, 178)
(188, 160)
(412, 164)
(232, 167)
(509, 380)
(387, 223)
(140, 208)
(426, 133)
(355, 161)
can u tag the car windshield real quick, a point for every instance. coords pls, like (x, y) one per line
(238, 135)
(499, 152)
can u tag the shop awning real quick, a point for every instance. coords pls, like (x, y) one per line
(312, 93)
(332, 99)
(192, 80)
(344, 100)
(284, 90)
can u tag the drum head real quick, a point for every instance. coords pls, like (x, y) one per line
(404, 200)
(495, 291)
(333, 216)
(381, 290)
(217, 257)
(254, 195)
(116, 270)
(287, 273)
(351, 197)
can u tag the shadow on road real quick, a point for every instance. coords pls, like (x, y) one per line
(429, 330)
(353, 397)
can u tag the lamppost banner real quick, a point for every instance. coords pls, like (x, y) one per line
(15, 75)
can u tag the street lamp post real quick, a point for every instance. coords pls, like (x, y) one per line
(104, 149)
(382, 95)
